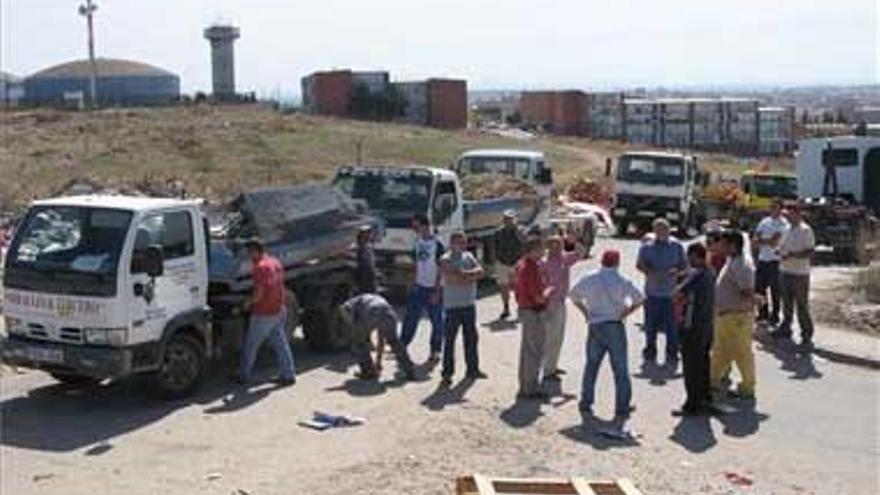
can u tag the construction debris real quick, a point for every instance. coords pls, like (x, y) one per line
(493, 186)
(586, 190)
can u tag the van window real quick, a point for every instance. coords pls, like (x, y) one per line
(173, 231)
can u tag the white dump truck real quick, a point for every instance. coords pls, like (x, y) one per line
(396, 194)
(100, 287)
(649, 185)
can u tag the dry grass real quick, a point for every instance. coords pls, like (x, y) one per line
(215, 151)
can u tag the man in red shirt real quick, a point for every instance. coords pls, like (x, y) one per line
(532, 296)
(268, 318)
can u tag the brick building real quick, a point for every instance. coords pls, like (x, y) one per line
(559, 112)
(438, 103)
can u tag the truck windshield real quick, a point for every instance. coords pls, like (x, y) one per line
(651, 170)
(770, 186)
(70, 239)
(514, 167)
(396, 197)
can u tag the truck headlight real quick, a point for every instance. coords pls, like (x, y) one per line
(14, 326)
(107, 336)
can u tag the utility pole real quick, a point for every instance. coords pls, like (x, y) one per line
(87, 10)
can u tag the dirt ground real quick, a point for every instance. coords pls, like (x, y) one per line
(839, 298)
(814, 430)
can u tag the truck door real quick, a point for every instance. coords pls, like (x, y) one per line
(871, 189)
(182, 286)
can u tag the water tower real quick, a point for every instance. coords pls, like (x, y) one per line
(221, 38)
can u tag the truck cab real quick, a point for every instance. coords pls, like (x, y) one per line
(396, 194)
(649, 185)
(105, 286)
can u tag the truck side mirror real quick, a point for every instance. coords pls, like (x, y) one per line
(150, 261)
(608, 167)
(545, 176)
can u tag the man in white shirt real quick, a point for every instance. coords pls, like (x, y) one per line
(424, 296)
(796, 251)
(767, 237)
(606, 298)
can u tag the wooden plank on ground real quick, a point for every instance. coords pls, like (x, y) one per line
(582, 487)
(484, 485)
(628, 487)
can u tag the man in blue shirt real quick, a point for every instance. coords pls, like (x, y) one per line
(661, 259)
(606, 298)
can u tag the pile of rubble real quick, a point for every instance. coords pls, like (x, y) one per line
(493, 186)
(586, 190)
(152, 186)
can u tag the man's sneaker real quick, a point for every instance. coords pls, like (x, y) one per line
(446, 381)
(476, 375)
(370, 374)
(553, 377)
(504, 315)
(649, 353)
(739, 394)
(434, 358)
(807, 345)
(285, 382)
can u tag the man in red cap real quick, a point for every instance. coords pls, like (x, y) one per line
(606, 298)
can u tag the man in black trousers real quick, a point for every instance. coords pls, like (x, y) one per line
(697, 331)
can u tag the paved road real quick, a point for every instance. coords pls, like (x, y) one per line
(814, 430)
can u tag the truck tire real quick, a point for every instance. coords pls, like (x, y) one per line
(325, 330)
(72, 379)
(860, 254)
(181, 369)
(623, 228)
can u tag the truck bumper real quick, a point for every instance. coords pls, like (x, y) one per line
(628, 215)
(98, 362)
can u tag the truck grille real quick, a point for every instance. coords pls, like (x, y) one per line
(63, 334)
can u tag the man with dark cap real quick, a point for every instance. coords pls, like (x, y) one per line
(508, 248)
(365, 271)
(368, 313)
(606, 298)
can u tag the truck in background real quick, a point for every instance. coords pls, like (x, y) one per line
(839, 189)
(649, 185)
(99, 287)
(396, 194)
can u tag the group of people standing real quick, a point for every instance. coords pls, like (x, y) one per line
(702, 297)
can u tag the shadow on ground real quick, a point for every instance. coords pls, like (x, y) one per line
(64, 418)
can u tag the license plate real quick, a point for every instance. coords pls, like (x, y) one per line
(54, 356)
(648, 214)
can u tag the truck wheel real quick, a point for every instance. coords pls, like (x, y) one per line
(181, 370)
(622, 228)
(860, 254)
(325, 330)
(72, 379)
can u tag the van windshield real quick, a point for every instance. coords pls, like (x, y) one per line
(651, 170)
(71, 239)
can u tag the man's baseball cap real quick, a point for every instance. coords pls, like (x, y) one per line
(510, 214)
(611, 258)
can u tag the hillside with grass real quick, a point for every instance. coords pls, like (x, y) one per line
(215, 151)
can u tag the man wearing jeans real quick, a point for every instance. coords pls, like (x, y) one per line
(796, 250)
(460, 274)
(425, 292)
(268, 318)
(661, 260)
(368, 313)
(606, 298)
(768, 235)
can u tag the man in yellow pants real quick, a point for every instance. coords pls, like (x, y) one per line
(734, 325)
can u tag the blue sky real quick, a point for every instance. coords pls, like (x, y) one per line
(498, 44)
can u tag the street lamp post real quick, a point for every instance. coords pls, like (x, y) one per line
(88, 10)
